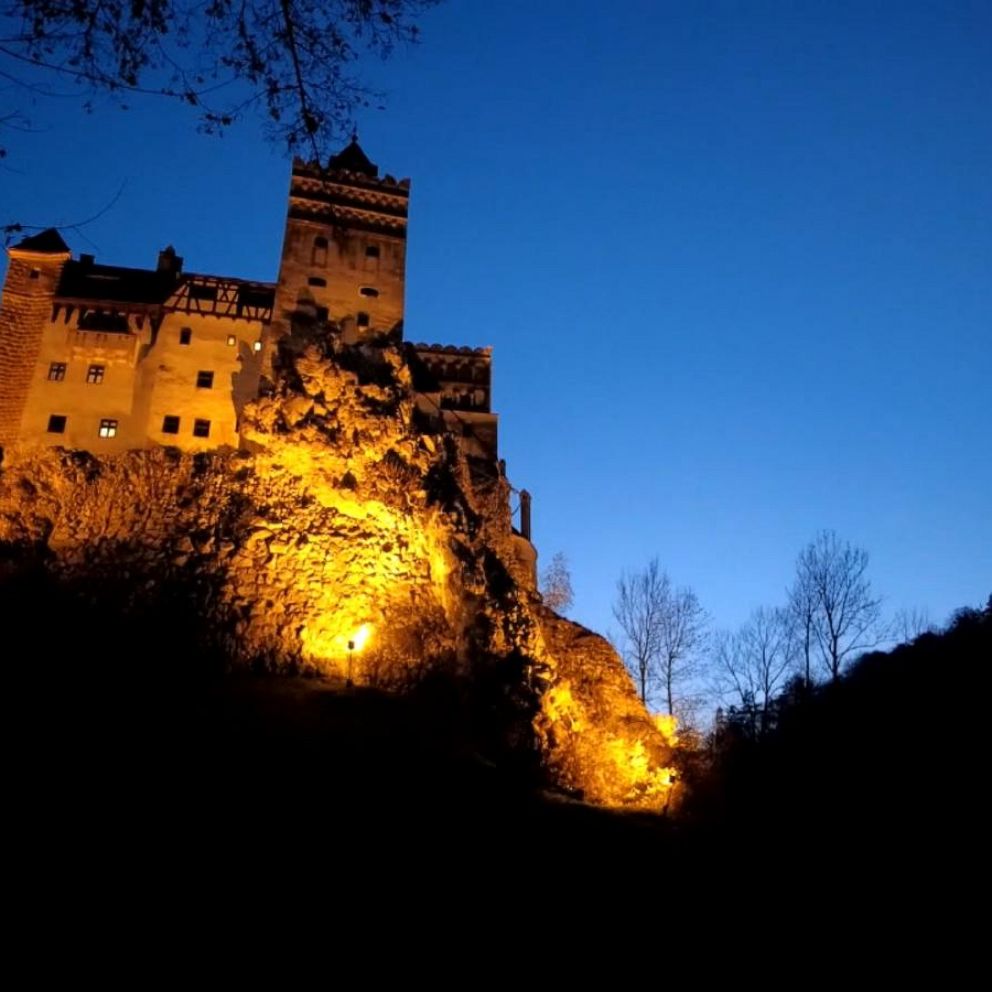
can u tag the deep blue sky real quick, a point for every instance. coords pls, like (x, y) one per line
(735, 261)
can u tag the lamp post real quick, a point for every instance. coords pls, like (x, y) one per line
(351, 651)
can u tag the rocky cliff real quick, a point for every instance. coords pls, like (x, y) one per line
(347, 539)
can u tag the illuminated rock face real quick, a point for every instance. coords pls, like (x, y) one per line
(347, 542)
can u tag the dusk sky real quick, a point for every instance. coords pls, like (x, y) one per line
(734, 260)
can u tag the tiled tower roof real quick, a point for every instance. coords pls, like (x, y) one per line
(353, 159)
(47, 242)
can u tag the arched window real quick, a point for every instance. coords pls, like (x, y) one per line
(319, 255)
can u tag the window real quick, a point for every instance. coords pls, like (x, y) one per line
(363, 320)
(56, 371)
(94, 374)
(35, 273)
(322, 315)
(170, 425)
(204, 380)
(186, 335)
(318, 256)
(108, 428)
(231, 340)
(317, 281)
(56, 423)
(257, 346)
(368, 291)
(201, 428)
(371, 251)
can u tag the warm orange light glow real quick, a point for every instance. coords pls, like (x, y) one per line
(360, 638)
(615, 766)
(668, 725)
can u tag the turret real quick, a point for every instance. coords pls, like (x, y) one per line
(344, 251)
(32, 277)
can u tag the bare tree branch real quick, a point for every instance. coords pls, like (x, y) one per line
(294, 58)
(556, 585)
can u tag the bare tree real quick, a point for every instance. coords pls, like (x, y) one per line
(291, 61)
(641, 598)
(682, 635)
(909, 624)
(664, 629)
(556, 584)
(840, 616)
(801, 614)
(753, 664)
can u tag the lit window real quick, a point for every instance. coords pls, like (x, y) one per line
(317, 281)
(371, 251)
(201, 428)
(363, 320)
(368, 291)
(231, 340)
(56, 423)
(186, 335)
(170, 425)
(56, 371)
(318, 257)
(204, 380)
(94, 374)
(257, 346)
(108, 428)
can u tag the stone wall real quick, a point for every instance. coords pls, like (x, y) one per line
(24, 311)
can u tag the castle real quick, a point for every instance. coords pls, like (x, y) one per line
(298, 489)
(105, 358)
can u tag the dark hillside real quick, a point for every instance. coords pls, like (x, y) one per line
(868, 767)
(132, 744)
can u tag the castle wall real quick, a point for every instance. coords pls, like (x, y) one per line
(135, 379)
(219, 345)
(349, 274)
(85, 405)
(24, 311)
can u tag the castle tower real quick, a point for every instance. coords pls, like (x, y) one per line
(344, 251)
(32, 277)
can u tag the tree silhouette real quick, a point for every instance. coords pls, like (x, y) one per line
(834, 611)
(290, 61)
(752, 664)
(664, 629)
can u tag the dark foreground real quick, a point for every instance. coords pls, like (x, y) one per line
(139, 765)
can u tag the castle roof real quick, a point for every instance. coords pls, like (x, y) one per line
(115, 284)
(47, 242)
(353, 159)
(85, 280)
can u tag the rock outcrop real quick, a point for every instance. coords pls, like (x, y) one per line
(346, 540)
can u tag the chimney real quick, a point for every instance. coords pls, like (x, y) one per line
(86, 260)
(525, 513)
(169, 261)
